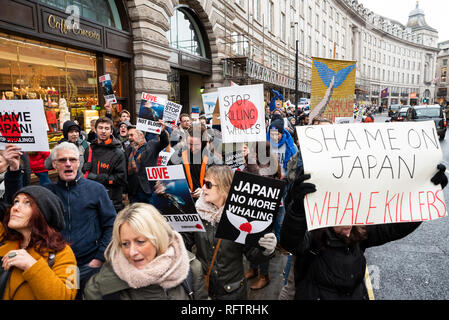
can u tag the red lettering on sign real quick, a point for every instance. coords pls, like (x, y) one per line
(157, 173)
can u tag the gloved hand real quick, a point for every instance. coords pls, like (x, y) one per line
(440, 176)
(87, 166)
(268, 241)
(300, 188)
(102, 178)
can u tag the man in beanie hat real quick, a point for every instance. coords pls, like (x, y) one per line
(89, 213)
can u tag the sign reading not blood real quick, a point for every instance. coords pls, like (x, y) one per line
(371, 174)
(242, 113)
(172, 198)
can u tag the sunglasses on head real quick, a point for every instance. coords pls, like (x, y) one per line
(209, 184)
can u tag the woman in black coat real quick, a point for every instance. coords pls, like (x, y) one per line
(330, 263)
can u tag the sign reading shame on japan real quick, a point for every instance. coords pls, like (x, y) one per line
(250, 209)
(371, 173)
(242, 113)
(21, 123)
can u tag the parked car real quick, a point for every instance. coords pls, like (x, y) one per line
(401, 115)
(430, 112)
(394, 108)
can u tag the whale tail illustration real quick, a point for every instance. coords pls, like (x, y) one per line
(246, 227)
(326, 74)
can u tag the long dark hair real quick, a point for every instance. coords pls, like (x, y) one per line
(43, 237)
(358, 233)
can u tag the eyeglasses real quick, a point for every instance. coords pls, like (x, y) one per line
(64, 160)
(209, 184)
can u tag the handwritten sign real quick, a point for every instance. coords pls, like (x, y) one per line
(242, 113)
(371, 174)
(172, 198)
(21, 123)
(250, 208)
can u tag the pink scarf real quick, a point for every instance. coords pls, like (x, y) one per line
(167, 270)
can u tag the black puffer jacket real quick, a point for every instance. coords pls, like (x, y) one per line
(336, 270)
(108, 167)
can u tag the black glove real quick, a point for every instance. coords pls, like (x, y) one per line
(87, 166)
(102, 178)
(299, 190)
(440, 176)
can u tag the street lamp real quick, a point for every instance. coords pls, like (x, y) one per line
(294, 25)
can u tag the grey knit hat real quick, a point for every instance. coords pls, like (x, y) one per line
(49, 204)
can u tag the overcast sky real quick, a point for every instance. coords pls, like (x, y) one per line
(436, 12)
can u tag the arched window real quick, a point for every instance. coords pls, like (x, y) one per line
(185, 34)
(101, 11)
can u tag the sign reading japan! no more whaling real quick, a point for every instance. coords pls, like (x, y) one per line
(371, 173)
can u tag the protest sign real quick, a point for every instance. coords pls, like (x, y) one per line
(242, 113)
(371, 174)
(108, 91)
(332, 88)
(164, 157)
(341, 120)
(209, 102)
(171, 112)
(195, 112)
(235, 160)
(172, 198)
(21, 123)
(151, 110)
(250, 209)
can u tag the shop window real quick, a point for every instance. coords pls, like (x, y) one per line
(65, 79)
(185, 34)
(100, 11)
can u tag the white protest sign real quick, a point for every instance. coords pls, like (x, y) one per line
(171, 112)
(242, 113)
(151, 109)
(172, 198)
(371, 174)
(164, 157)
(21, 123)
(209, 102)
(108, 91)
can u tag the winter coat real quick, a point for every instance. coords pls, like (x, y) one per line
(108, 167)
(161, 279)
(89, 217)
(40, 281)
(37, 161)
(335, 271)
(227, 279)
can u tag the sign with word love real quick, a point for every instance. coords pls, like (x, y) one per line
(242, 113)
(21, 123)
(108, 91)
(250, 209)
(172, 198)
(151, 110)
(371, 174)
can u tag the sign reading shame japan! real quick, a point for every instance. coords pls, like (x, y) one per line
(371, 173)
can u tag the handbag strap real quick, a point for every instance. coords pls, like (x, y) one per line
(212, 264)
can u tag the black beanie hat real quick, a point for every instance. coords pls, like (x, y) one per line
(49, 204)
(277, 125)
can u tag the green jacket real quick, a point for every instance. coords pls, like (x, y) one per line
(106, 285)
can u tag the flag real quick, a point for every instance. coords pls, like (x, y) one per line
(384, 93)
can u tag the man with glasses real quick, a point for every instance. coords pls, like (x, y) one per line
(88, 212)
(180, 134)
(105, 162)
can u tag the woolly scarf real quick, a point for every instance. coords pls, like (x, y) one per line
(290, 148)
(167, 270)
(208, 211)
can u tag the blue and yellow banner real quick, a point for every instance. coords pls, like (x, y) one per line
(333, 86)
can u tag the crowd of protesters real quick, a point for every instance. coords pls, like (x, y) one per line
(99, 216)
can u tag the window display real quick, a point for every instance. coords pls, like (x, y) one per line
(65, 79)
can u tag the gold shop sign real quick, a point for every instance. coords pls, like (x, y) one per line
(62, 27)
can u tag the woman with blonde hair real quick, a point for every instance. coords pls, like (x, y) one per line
(222, 259)
(145, 260)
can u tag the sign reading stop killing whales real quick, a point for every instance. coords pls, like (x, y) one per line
(22, 122)
(242, 113)
(172, 198)
(371, 174)
(250, 209)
